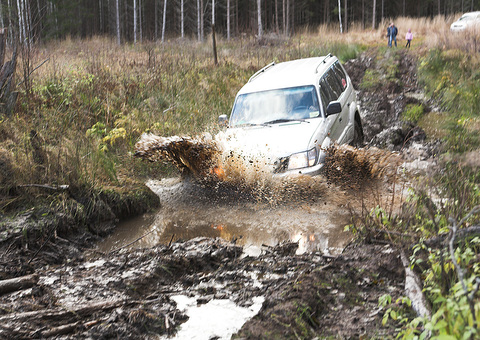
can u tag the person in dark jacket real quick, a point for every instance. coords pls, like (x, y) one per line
(392, 34)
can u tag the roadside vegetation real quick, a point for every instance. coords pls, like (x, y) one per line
(79, 115)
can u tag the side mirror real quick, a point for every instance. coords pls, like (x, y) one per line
(223, 120)
(334, 108)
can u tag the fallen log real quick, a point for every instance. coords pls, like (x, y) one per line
(18, 283)
(80, 311)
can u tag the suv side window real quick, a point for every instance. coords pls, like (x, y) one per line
(334, 82)
(340, 73)
(326, 93)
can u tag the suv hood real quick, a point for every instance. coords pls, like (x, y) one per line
(274, 141)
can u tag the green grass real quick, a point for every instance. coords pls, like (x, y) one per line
(453, 78)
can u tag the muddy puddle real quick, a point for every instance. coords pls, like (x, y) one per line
(315, 220)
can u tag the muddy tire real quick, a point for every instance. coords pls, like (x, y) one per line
(357, 140)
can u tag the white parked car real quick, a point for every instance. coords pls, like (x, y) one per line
(466, 21)
(292, 111)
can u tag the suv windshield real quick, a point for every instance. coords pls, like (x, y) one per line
(275, 106)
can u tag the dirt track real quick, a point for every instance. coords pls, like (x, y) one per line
(128, 294)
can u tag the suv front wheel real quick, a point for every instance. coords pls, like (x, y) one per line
(357, 140)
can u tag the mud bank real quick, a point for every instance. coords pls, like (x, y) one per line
(132, 293)
(64, 222)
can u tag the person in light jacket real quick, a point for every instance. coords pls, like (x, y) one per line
(408, 37)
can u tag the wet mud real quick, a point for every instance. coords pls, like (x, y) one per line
(134, 293)
(274, 247)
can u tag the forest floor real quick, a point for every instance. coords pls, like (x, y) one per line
(60, 286)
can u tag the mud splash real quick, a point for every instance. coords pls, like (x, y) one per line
(211, 160)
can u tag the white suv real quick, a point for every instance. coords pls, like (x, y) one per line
(290, 112)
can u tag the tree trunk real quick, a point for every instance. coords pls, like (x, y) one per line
(134, 21)
(202, 25)
(284, 20)
(228, 19)
(199, 31)
(277, 29)
(346, 16)
(8, 96)
(340, 15)
(383, 10)
(213, 12)
(373, 14)
(182, 20)
(117, 19)
(140, 19)
(215, 59)
(20, 22)
(288, 18)
(259, 18)
(164, 19)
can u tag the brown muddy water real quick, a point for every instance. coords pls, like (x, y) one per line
(315, 219)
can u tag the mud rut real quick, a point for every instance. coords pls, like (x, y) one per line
(128, 293)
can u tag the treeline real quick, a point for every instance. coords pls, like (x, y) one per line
(137, 20)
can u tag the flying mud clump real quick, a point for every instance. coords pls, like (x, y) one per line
(210, 160)
(352, 167)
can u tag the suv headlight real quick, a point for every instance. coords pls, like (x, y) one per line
(302, 159)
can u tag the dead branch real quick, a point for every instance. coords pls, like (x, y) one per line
(18, 283)
(45, 186)
(60, 330)
(30, 73)
(461, 235)
(136, 240)
(413, 289)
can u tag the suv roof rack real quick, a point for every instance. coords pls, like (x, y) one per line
(261, 71)
(324, 60)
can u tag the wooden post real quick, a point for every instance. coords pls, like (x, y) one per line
(215, 59)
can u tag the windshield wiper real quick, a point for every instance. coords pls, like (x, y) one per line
(250, 124)
(285, 120)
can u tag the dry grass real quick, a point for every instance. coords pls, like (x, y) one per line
(168, 89)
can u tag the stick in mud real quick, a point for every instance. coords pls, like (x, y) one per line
(18, 283)
(136, 240)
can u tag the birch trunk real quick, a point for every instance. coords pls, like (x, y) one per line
(164, 19)
(213, 12)
(340, 15)
(182, 18)
(20, 22)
